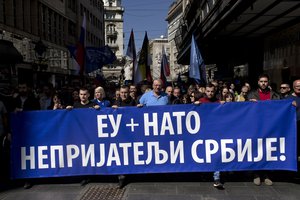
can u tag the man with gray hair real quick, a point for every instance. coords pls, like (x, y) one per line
(155, 97)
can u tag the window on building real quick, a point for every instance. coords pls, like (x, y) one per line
(88, 36)
(55, 28)
(24, 18)
(87, 14)
(3, 13)
(43, 16)
(98, 5)
(81, 9)
(72, 28)
(60, 31)
(111, 28)
(72, 5)
(14, 5)
(49, 25)
(63, 22)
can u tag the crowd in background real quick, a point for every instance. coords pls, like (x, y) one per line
(46, 97)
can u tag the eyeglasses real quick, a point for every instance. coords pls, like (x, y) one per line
(283, 87)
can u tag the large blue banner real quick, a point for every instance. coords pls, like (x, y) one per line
(180, 138)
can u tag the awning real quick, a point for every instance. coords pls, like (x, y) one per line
(237, 20)
(8, 53)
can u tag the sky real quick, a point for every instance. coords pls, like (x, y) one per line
(145, 15)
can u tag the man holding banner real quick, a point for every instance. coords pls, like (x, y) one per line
(261, 94)
(155, 97)
(84, 100)
(125, 100)
(84, 95)
(210, 97)
(25, 101)
(155, 139)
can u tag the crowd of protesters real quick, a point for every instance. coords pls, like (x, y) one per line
(25, 98)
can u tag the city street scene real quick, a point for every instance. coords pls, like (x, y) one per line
(149, 100)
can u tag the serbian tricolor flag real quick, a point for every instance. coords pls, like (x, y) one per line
(165, 67)
(79, 52)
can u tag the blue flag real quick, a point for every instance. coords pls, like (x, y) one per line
(197, 67)
(97, 57)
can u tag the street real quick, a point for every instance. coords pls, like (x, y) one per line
(163, 186)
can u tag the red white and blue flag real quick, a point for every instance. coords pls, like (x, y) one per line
(89, 59)
(78, 51)
(165, 67)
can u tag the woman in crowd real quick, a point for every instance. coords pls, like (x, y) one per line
(229, 97)
(56, 103)
(100, 98)
(223, 92)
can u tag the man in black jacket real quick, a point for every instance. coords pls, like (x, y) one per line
(263, 92)
(124, 101)
(25, 101)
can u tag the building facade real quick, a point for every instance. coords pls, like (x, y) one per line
(41, 31)
(243, 36)
(175, 15)
(156, 47)
(114, 38)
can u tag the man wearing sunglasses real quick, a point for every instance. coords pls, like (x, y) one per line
(285, 90)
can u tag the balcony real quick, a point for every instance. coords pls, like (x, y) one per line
(113, 46)
(111, 33)
(113, 8)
